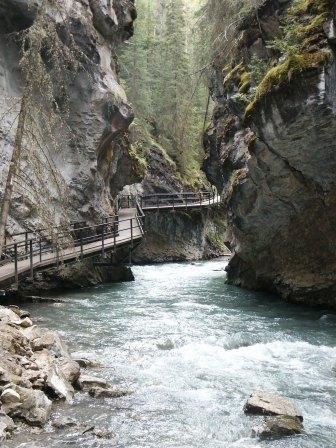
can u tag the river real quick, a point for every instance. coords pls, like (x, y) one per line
(193, 349)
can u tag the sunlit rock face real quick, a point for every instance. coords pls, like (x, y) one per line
(92, 163)
(276, 167)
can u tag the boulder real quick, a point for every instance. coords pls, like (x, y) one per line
(100, 392)
(101, 433)
(34, 406)
(277, 427)
(70, 369)
(63, 422)
(10, 396)
(21, 313)
(87, 363)
(268, 403)
(6, 427)
(25, 322)
(86, 382)
(59, 387)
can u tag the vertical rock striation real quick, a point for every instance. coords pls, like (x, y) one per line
(94, 161)
(272, 150)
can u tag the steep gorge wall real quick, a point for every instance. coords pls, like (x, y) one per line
(272, 151)
(94, 162)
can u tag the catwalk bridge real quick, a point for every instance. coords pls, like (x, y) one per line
(41, 249)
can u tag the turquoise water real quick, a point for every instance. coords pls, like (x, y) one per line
(193, 349)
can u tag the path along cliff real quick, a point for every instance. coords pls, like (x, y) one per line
(272, 149)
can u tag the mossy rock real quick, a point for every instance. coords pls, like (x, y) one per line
(283, 73)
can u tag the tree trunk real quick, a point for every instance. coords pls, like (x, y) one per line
(13, 169)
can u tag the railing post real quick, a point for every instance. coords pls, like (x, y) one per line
(114, 237)
(103, 237)
(16, 265)
(157, 202)
(26, 242)
(128, 199)
(186, 201)
(57, 255)
(173, 203)
(81, 242)
(131, 231)
(31, 255)
(40, 248)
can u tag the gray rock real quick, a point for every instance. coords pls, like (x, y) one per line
(63, 422)
(21, 313)
(100, 392)
(275, 166)
(87, 363)
(10, 396)
(34, 408)
(269, 403)
(278, 427)
(6, 427)
(101, 433)
(86, 382)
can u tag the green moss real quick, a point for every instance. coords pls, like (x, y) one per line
(284, 72)
(138, 156)
(245, 82)
(309, 7)
(217, 241)
(234, 73)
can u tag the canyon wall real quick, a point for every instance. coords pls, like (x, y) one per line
(272, 150)
(89, 156)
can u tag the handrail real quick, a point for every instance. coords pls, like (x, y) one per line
(84, 239)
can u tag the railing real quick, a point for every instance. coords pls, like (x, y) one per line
(80, 239)
(170, 200)
(80, 242)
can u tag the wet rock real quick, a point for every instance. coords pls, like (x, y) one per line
(100, 392)
(34, 406)
(6, 427)
(28, 379)
(10, 396)
(26, 322)
(277, 427)
(59, 387)
(101, 433)
(268, 403)
(87, 363)
(86, 382)
(19, 312)
(168, 344)
(69, 369)
(63, 422)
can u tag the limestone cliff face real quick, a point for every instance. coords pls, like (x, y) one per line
(272, 150)
(94, 163)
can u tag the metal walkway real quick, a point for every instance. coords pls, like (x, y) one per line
(37, 250)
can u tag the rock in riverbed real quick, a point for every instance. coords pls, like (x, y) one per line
(100, 392)
(277, 427)
(87, 382)
(88, 363)
(268, 403)
(35, 367)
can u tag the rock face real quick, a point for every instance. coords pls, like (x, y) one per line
(35, 368)
(181, 235)
(267, 403)
(272, 151)
(278, 427)
(94, 163)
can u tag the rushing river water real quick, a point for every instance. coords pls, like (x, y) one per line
(193, 349)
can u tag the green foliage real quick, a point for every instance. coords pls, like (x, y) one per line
(157, 68)
(257, 68)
